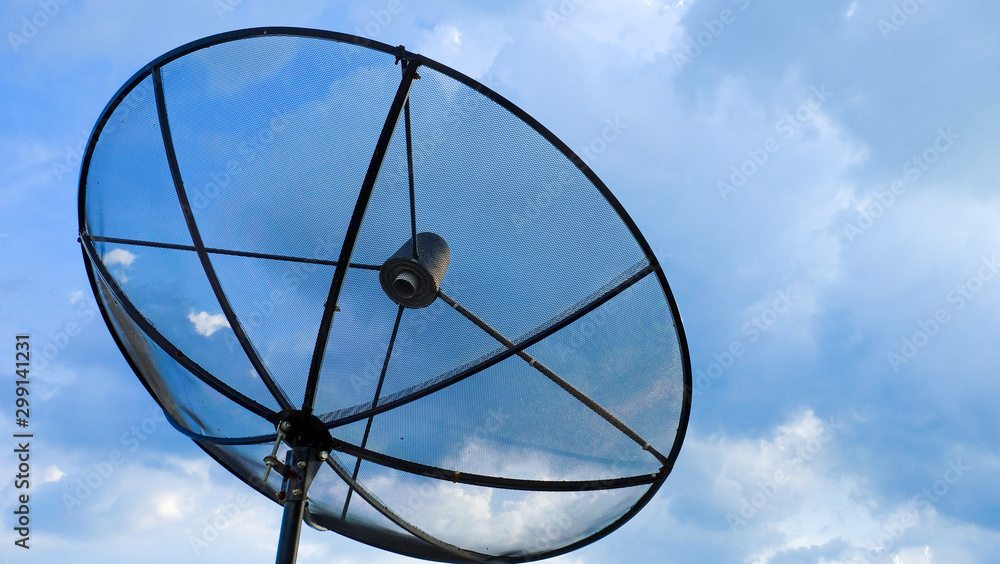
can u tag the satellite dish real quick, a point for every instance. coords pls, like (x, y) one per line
(383, 296)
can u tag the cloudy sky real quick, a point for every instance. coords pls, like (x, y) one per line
(815, 179)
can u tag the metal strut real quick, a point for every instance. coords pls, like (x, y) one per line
(555, 378)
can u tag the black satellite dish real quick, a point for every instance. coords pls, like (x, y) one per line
(383, 296)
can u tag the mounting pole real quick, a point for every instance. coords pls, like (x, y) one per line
(310, 444)
(294, 488)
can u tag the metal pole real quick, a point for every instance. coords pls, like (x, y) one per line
(294, 490)
(291, 526)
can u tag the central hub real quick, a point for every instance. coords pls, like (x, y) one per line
(413, 281)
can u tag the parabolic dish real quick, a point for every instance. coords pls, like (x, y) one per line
(249, 208)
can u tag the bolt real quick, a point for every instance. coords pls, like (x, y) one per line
(297, 492)
(285, 426)
(301, 464)
(323, 455)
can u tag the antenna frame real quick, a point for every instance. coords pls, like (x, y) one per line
(89, 254)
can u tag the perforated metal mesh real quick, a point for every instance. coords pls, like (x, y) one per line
(533, 407)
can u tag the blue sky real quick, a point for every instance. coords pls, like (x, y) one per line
(816, 180)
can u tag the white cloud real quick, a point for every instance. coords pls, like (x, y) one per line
(641, 28)
(149, 511)
(495, 520)
(119, 256)
(166, 506)
(52, 474)
(915, 555)
(786, 493)
(469, 48)
(206, 324)
(197, 468)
